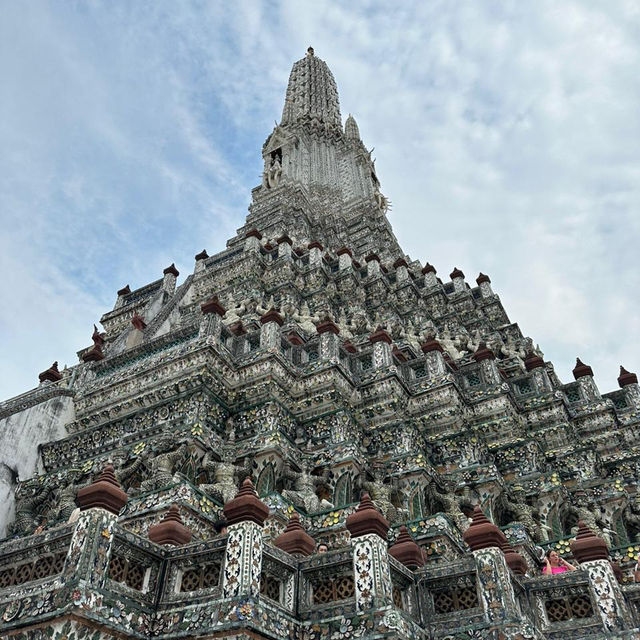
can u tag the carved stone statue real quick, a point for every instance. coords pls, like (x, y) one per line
(383, 495)
(27, 508)
(521, 512)
(303, 494)
(227, 475)
(631, 518)
(449, 503)
(163, 465)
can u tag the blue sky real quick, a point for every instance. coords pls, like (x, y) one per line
(506, 136)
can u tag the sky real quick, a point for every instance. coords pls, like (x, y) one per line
(506, 136)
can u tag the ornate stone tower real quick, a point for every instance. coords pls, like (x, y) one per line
(316, 386)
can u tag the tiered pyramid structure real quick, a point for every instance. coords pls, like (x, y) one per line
(390, 454)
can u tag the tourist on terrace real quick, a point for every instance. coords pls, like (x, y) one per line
(556, 564)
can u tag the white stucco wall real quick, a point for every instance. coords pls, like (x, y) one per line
(20, 435)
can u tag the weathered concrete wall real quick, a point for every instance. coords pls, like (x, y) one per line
(20, 436)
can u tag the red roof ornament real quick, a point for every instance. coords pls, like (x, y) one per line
(588, 546)
(97, 336)
(124, 291)
(138, 322)
(400, 262)
(315, 245)
(533, 361)
(328, 326)
(104, 493)
(456, 273)
(429, 268)
(431, 345)
(626, 377)
(51, 374)
(515, 561)
(253, 233)
(344, 250)
(294, 539)
(172, 270)
(482, 533)
(406, 551)
(483, 353)
(203, 255)
(246, 506)
(285, 238)
(482, 278)
(213, 306)
(171, 529)
(581, 369)
(371, 257)
(94, 354)
(349, 347)
(380, 335)
(367, 519)
(272, 316)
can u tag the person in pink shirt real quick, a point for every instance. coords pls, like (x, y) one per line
(556, 564)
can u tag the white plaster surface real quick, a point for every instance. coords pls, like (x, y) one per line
(20, 437)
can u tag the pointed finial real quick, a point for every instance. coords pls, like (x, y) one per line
(310, 51)
(246, 506)
(482, 533)
(626, 377)
(171, 529)
(294, 539)
(406, 551)
(104, 493)
(367, 519)
(581, 369)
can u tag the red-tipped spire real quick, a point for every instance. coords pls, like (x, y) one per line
(533, 361)
(405, 550)
(483, 353)
(400, 262)
(285, 238)
(104, 493)
(294, 539)
(380, 335)
(213, 306)
(456, 273)
(124, 291)
(581, 369)
(172, 270)
(138, 322)
(626, 377)
(203, 255)
(483, 277)
(246, 506)
(51, 374)
(328, 326)
(367, 519)
(515, 561)
(253, 233)
(482, 533)
(272, 316)
(588, 546)
(429, 268)
(171, 529)
(431, 345)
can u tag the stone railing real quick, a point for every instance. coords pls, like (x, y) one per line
(326, 585)
(563, 603)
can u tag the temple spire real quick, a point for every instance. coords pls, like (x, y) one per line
(312, 93)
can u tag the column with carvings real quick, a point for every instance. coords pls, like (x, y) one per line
(245, 515)
(371, 573)
(592, 554)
